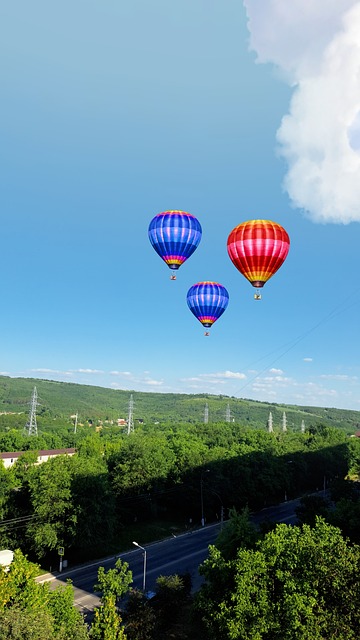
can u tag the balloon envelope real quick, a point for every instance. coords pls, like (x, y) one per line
(258, 248)
(207, 301)
(174, 235)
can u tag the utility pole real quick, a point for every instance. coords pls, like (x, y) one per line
(31, 425)
(302, 428)
(206, 414)
(270, 423)
(227, 413)
(130, 422)
(284, 427)
(75, 421)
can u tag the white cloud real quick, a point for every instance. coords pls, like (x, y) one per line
(316, 45)
(278, 371)
(45, 370)
(91, 371)
(120, 373)
(337, 376)
(308, 359)
(154, 383)
(55, 372)
(224, 374)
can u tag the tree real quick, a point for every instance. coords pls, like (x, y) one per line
(299, 583)
(113, 584)
(52, 504)
(310, 507)
(107, 622)
(30, 611)
(68, 623)
(94, 503)
(140, 617)
(237, 532)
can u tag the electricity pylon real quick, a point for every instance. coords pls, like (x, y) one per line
(206, 414)
(130, 421)
(31, 425)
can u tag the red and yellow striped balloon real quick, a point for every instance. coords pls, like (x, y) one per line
(258, 248)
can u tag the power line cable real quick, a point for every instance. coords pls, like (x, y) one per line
(337, 310)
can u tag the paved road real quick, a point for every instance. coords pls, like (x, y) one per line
(180, 554)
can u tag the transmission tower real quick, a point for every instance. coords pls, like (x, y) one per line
(284, 427)
(227, 413)
(270, 423)
(206, 414)
(31, 425)
(130, 422)
(302, 426)
(75, 421)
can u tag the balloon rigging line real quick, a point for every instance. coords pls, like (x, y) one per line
(332, 314)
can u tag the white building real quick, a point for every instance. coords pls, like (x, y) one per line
(45, 454)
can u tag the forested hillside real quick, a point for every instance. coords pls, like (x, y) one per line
(173, 473)
(59, 400)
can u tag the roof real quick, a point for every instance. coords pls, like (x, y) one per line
(41, 452)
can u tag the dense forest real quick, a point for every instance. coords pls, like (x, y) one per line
(58, 401)
(148, 483)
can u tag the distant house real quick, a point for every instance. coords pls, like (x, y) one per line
(121, 422)
(45, 454)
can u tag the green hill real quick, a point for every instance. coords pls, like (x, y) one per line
(60, 400)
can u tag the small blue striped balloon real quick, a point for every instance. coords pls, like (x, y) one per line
(207, 301)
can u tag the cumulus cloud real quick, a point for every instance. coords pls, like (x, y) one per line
(120, 373)
(278, 371)
(91, 371)
(51, 371)
(224, 374)
(337, 376)
(316, 45)
(154, 383)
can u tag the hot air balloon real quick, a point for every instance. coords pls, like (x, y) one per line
(258, 248)
(174, 235)
(207, 301)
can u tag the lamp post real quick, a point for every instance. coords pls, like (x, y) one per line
(144, 574)
(202, 497)
(221, 508)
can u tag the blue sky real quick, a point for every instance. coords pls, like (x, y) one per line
(114, 111)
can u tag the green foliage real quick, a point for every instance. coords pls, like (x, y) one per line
(26, 624)
(238, 532)
(107, 622)
(51, 501)
(68, 623)
(346, 516)
(142, 462)
(30, 611)
(93, 500)
(299, 583)
(140, 617)
(114, 582)
(310, 507)
(59, 400)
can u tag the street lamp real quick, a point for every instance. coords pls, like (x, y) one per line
(202, 498)
(222, 508)
(144, 575)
